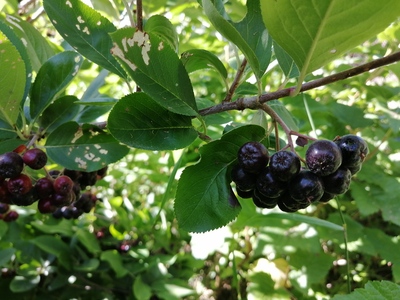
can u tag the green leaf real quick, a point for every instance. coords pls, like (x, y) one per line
(373, 290)
(21, 284)
(89, 240)
(54, 75)
(197, 59)
(62, 110)
(139, 121)
(249, 35)
(204, 199)
(115, 261)
(22, 50)
(6, 255)
(156, 68)
(314, 33)
(51, 244)
(85, 147)
(12, 82)
(37, 47)
(89, 265)
(282, 112)
(53, 226)
(161, 26)
(141, 290)
(85, 30)
(10, 145)
(286, 63)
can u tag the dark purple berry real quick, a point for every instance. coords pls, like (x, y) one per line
(63, 185)
(11, 216)
(268, 185)
(323, 157)
(354, 150)
(244, 180)
(262, 201)
(73, 174)
(337, 182)
(284, 165)
(25, 199)
(244, 194)
(35, 158)
(4, 207)
(45, 206)
(326, 197)
(87, 179)
(355, 169)
(44, 188)
(11, 165)
(306, 187)
(253, 157)
(19, 185)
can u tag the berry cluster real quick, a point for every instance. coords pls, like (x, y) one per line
(64, 194)
(279, 179)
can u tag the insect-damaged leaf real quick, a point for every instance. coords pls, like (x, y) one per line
(86, 147)
(156, 68)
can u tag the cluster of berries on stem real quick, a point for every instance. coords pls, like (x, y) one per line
(65, 194)
(280, 180)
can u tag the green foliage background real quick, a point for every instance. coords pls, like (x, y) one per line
(132, 245)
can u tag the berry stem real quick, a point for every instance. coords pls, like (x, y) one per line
(346, 241)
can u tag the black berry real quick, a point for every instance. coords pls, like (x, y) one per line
(11, 165)
(306, 187)
(354, 150)
(268, 185)
(253, 157)
(262, 201)
(244, 180)
(323, 157)
(284, 165)
(337, 182)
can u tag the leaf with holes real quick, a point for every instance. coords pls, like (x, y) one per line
(156, 68)
(204, 199)
(314, 33)
(163, 27)
(86, 148)
(139, 121)
(85, 30)
(52, 78)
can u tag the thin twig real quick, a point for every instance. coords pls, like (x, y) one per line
(253, 102)
(236, 81)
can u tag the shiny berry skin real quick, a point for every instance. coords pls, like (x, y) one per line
(262, 201)
(11, 165)
(44, 188)
(244, 194)
(73, 174)
(337, 182)
(354, 169)
(11, 216)
(5, 195)
(59, 200)
(19, 185)
(323, 157)
(35, 158)
(286, 203)
(354, 150)
(306, 187)
(253, 157)
(63, 185)
(244, 180)
(268, 185)
(45, 206)
(284, 165)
